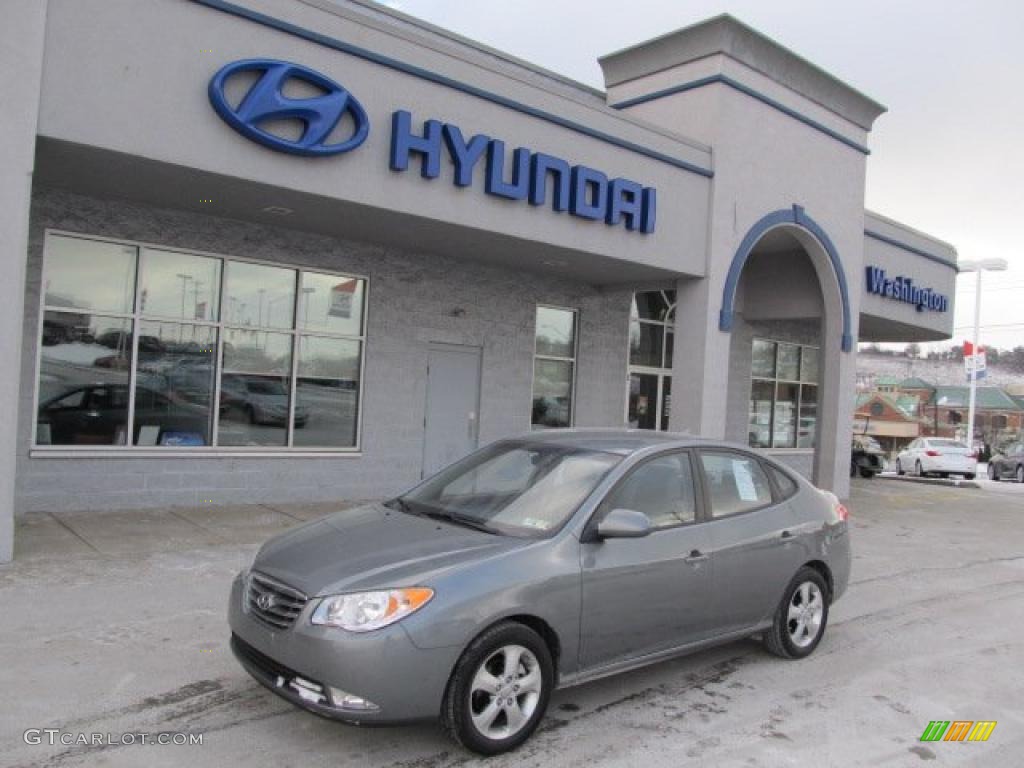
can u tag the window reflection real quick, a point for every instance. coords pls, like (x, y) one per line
(556, 332)
(96, 332)
(83, 380)
(259, 296)
(90, 275)
(332, 304)
(552, 393)
(327, 393)
(179, 285)
(174, 384)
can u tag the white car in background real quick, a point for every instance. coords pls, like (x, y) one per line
(940, 456)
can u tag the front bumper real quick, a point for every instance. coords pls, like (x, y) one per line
(404, 681)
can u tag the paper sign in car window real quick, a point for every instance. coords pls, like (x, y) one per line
(744, 480)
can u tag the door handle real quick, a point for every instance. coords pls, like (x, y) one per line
(786, 535)
(695, 557)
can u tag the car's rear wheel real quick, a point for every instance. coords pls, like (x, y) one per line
(801, 617)
(1020, 474)
(992, 473)
(867, 473)
(899, 468)
(918, 469)
(499, 689)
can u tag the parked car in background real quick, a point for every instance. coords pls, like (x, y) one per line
(262, 399)
(866, 456)
(1007, 462)
(537, 563)
(940, 456)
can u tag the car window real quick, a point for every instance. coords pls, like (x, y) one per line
(662, 488)
(736, 483)
(69, 402)
(787, 485)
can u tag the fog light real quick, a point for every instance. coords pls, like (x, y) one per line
(344, 700)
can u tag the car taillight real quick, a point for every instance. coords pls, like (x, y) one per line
(932, 453)
(839, 509)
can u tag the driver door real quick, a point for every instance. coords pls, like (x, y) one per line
(650, 594)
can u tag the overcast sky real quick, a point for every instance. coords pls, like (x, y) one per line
(947, 158)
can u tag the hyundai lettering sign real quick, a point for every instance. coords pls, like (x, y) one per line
(580, 190)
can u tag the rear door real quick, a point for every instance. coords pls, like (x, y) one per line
(754, 541)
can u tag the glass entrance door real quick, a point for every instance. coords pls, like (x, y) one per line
(650, 396)
(651, 335)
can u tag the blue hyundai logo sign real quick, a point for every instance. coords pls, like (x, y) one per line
(265, 102)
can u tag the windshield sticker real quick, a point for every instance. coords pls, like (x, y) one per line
(535, 522)
(744, 481)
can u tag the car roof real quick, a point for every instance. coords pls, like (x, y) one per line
(620, 441)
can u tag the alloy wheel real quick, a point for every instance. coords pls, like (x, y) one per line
(806, 610)
(505, 692)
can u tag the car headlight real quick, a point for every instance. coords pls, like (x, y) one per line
(366, 611)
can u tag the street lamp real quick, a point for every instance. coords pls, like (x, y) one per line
(982, 265)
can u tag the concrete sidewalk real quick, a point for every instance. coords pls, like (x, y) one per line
(123, 533)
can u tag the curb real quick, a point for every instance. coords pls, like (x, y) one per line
(948, 483)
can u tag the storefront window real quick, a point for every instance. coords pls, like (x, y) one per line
(783, 395)
(228, 352)
(554, 367)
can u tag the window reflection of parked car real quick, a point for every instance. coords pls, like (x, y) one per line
(551, 411)
(1007, 462)
(97, 413)
(263, 400)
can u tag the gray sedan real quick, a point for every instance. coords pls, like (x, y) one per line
(538, 563)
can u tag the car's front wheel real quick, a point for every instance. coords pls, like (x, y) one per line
(499, 689)
(801, 616)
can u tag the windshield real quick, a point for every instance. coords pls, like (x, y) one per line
(516, 488)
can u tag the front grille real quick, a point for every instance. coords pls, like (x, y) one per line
(272, 602)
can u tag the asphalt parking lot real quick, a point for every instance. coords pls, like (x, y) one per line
(114, 624)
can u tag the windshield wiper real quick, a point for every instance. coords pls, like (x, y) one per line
(457, 519)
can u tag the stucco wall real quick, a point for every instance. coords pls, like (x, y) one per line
(411, 298)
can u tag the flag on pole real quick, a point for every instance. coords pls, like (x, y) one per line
(974, 362)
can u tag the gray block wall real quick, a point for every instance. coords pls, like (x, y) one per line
(412, 297)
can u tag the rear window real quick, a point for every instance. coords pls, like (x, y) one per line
(736, 483)
(787, 485)
(946, 444)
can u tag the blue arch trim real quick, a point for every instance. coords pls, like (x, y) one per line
(798, 217)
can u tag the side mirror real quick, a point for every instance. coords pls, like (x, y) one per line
(624, 524)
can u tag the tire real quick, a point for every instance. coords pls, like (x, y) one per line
(484, 664)
(866, 473)
(899, 468)
(853, 468)
(918, 470)
(969, 476)
(993, 474)
(787, 638)
(1020, 473)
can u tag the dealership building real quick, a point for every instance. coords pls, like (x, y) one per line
(269, 250)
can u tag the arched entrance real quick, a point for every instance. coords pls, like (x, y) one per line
(785, 306)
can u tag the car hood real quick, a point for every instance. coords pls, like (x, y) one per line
(373, 547)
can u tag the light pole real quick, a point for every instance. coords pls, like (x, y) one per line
(982, 265)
